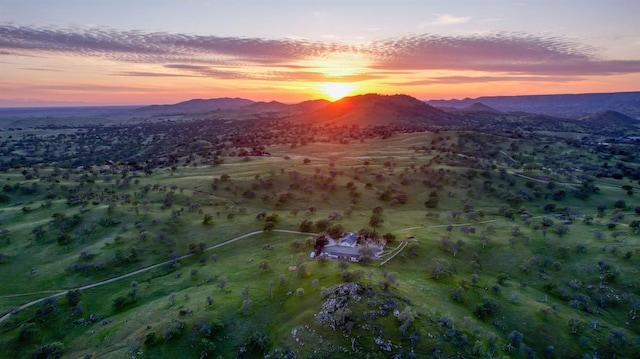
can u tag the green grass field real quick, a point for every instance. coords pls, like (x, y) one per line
(489, 272)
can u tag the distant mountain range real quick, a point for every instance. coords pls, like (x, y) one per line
(355, 109)
(363, 110)
(572, 106)
(231, 107)
(619, 110)
(199, 105)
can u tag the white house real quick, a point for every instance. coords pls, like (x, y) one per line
(348, 239)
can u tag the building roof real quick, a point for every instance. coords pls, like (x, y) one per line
(341, 251)
(349, 238)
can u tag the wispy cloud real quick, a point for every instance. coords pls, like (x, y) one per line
(71, 88)
(239, 57)
(207, 71)
(455, 80)
(41, 69)
(158, 47)
(502, 52)
(448, 19)
(150, 74)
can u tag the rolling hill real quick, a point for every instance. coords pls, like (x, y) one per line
(198, 106)
(231, 108)
(373, 109)
(480, 107)
(572, 106)
(621, 110)
(310, 105)
(610, 118)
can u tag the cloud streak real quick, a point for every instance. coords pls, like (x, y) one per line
(456, 80)
(150, 74)
(229, 57)
(503, 52)
(41, 69)
(158, 47)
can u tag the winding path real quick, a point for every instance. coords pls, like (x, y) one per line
(400, 248)
(130, 274)
(145, 269)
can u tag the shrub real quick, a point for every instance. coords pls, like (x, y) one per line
(620, 204)
(150, 340)
(269, 226)
(49, 351)
(432, 202)
(172, 330)
(322, 224)
(28, 333)
(306, 226)
(258, 342)
(121, 302)
(486, 308)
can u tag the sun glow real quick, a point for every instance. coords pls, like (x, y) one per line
(337, 90)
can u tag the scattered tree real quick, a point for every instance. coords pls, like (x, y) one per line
(207, 219)
(440, 269)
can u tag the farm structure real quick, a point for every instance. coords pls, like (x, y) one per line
(349, 247)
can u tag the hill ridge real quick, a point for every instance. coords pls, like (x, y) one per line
(200, 105)
(375, 109)
(610, 117)
(560, 105)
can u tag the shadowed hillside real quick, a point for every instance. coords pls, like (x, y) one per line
(480, 107)
(567, 105)
(610, 118)
(310, 105)
(198, 106)
(373, 109)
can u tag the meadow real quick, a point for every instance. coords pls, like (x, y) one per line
(498, 246)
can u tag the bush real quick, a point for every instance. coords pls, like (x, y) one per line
(375, 220)
(64, 239)
(150, 340)
(172, 330)
(121, 302)
(28, 333)
(322, 224)
(485, 309)
(207, 347)
(389, 237)
(73, 297)
(49, 351)
(432, 202)
(620, 204)
(258, 342)
(335, 231)
(268, 226)
(306, 226)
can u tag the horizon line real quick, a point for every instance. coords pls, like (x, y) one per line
(59, 105)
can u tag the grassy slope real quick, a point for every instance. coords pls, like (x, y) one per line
(538, 312)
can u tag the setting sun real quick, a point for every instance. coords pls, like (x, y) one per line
(337, 90)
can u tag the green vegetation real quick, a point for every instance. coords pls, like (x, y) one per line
(518, 245)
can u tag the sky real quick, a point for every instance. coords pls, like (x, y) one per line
(134, 52)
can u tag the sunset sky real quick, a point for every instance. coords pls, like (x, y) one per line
(84, 52)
